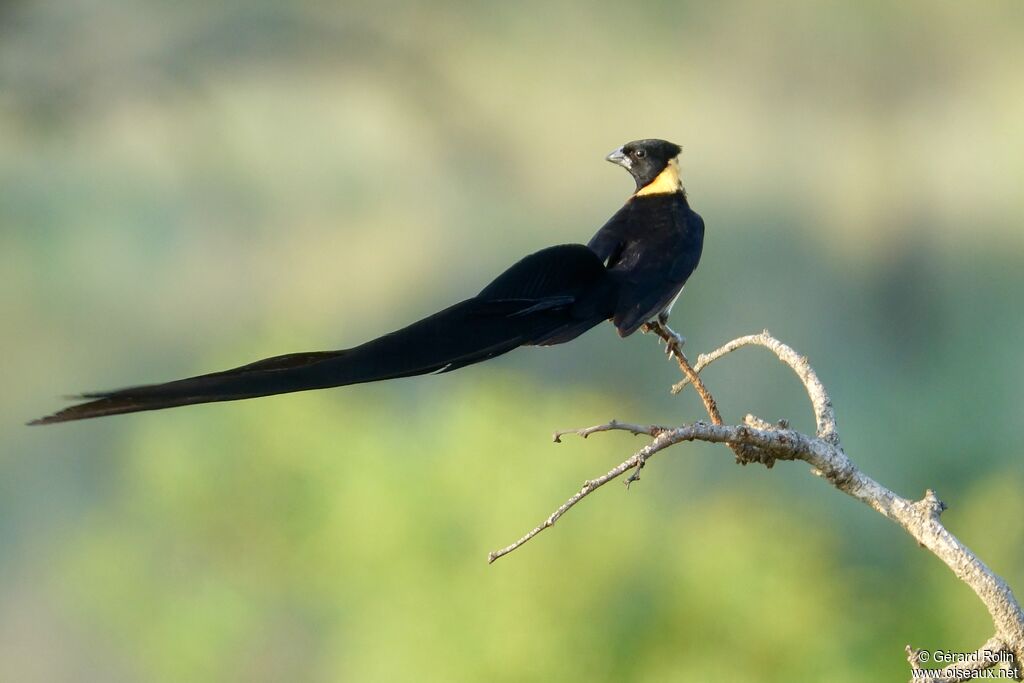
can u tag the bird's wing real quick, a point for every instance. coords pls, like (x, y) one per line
(646, 292)
(609, 241)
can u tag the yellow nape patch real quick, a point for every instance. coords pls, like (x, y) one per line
(667, 181)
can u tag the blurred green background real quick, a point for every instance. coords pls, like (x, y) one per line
(187, 186)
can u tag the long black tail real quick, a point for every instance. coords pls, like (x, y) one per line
(549, 297)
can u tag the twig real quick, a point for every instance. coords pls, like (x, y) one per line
(771, 442)
(611, 425)
(674, 344)
(745, 453)
(592, 485)
(824, 414)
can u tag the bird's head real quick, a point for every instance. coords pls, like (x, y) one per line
(652, 163)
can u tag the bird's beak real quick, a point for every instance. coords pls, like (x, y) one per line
(619, 158)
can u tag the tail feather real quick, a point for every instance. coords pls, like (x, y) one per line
(404, 353)
(555, 309)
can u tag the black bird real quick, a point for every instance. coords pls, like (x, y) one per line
(631, 272)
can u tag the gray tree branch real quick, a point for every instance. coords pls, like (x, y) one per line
(758, 441)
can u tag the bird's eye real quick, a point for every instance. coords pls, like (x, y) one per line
(640, 153)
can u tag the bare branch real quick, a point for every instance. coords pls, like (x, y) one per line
(674, 346)
(591, 485)
(759, 441)
(823, 412)
(613, 425)
(662, 437)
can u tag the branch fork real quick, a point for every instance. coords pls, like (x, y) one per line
(758, 441)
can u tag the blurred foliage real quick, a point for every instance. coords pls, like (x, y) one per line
(188, 186)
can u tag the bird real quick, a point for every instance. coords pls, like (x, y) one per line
(629, 273)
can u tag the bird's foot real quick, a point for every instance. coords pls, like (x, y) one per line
(677, 338)
(673, 340)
